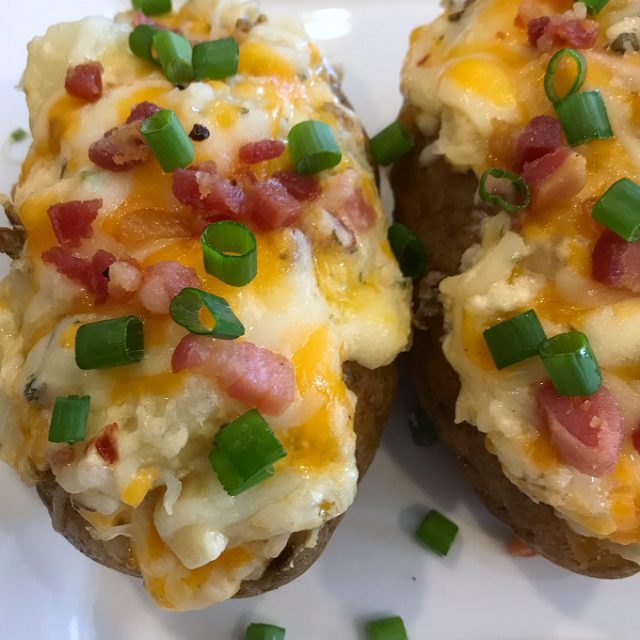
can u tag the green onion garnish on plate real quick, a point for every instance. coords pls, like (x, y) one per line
(175, 55)
(423, 429)
(110, 343)
(437, 532)
(391, 143)
(619, 209)
(387, 629)
(571, 364)
(595, 6)
(260, 631)
(18, 135)
(584, 117)
(230, 252)
(187, 308)
(168, 140)
(313, 147)
(552, 68)
(408, 250)
(141, 42)
(69, 419)
(244, 452)
(152, 7)
(517, 184)
(516, 339)
(216, 59)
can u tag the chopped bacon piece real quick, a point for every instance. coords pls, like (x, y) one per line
(253, 375)
(520, 549)
(100, 264)
(260, 151)
(588, 431)
(635, 438)
(162, 282)
(556, 177)
(536, 29)
(71, 221)
(74, 268)
(270, 205)
(540, 137)
(202, 187)
(106, 444)
(120, 148)
(302, 188)
(616, 262)
(85, 81)
(142, 111)
(579, 34)
(344, 198)
(125, 278)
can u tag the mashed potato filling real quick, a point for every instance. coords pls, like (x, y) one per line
(476, 81)
(321, 298)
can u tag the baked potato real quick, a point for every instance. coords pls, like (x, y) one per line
(555, 460)
(197, 331)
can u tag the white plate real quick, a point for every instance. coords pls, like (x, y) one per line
(373, 567)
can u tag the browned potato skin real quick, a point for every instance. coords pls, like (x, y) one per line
(436, 203)
(374, 390)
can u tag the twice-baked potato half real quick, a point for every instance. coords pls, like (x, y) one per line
(196, 336)
(522, 185)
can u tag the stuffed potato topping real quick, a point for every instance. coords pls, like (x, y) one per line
(527, 112)
(189, 334)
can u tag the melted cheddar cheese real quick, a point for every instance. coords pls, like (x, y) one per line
(475, 82)
(317, 301)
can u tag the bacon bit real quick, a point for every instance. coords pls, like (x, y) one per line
(579, 34)
(536, 29)
(302, 188)
(540, 137)
(588, 431)
(125, 278)
(71, 221)
(202, 187)
(616, 262)
(520, 549)
(85, 81)
(635, 438)
(261, 151)
(70, 266)
(120, 149)
(162, 282)
(556, 177)
(344, 198)
(100, 264)
(270, 205)
(529, 10)
(255, 376)
(142, 111)
(106, 444)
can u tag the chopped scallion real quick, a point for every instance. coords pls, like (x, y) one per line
(168, 140)
(18, 135)
(313, 147)
(595, 6)
(437, 532)
(584, 117)
(216, 59)
(230, 252)
(552, 68)
(152, 7)
(516, 339)
(391, 143)
(260, 631)
(408, 250)
(175, 54)
(110, 343)
(619, 209)
(517, 184)
(69, 419)
(387, 629)
(186, 309)
(571, 364)
(141, 42)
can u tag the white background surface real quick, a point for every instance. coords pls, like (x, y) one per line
(373, 567)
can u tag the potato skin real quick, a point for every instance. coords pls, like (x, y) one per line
(442, 218)
(375, 391)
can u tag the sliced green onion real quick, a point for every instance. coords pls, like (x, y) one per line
(152, 7)
(141, 42)
(110, 343)
(189, 303)
(313, 147)
(408, 250)
(517, 182)
(619, 209)
(69, 419)
(437, 532)
(216, 59)
(230, 252)
(422, 428)
(387, 629)
(595, 6)
(259, 631)
(516, 339)
(584, 117)
(392, 143)
(18, 135)
(175, 54)
(552, 68)
(571, 364)
(168, 140)
(244, 452)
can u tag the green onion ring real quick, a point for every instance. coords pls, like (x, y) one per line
(517, 181)
(550, 75)
(230, 252)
